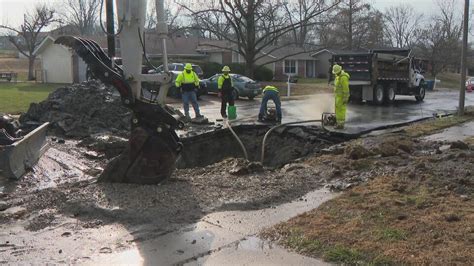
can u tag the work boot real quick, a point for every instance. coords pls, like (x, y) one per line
(339, 126)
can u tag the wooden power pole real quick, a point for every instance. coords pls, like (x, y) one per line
(109, 13)
(462, 92)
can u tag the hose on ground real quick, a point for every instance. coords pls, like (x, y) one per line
(237, 138)
(278, 126)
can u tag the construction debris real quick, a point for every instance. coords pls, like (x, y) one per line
(81, 110)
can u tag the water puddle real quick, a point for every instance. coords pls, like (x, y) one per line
(456, 133)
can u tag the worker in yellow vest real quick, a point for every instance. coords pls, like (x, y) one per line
(225, 86)
(270, 93)
(188, 82)
(341, 93)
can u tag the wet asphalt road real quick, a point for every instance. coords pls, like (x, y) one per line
(360, 117)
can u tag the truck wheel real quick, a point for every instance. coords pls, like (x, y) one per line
(390, 95)
(420, 92)
(379, 95)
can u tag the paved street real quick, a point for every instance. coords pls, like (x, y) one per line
(359, 117)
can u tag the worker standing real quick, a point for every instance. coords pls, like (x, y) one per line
(270, 93)
(188, 82)
(342, 93)
(225, 87)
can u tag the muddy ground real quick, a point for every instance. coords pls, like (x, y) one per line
(61, 195)
(62, 198)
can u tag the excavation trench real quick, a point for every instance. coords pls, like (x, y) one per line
(282, 146)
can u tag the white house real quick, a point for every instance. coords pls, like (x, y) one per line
(60, 64)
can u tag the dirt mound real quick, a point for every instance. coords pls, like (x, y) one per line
(81, 110)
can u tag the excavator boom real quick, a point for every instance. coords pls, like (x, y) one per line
(153, 144)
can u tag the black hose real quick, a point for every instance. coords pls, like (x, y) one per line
(278, 126)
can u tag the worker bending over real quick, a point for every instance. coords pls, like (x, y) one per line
(188, 82)
(342, 93)
(225, 87)
(270, 93)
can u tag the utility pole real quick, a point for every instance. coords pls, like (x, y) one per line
(462, 92)
(109, 13)
(350, 23)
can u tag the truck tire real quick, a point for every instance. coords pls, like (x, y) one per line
(379, 95)
(420, 91)
(390, 95)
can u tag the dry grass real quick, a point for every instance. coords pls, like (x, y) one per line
(379, 223)
(432, 126)
(416, 208)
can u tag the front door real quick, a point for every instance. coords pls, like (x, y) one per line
(310, 69)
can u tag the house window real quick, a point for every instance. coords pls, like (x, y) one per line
(290, 67)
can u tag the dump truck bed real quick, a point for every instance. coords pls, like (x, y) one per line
(377, 65)
(17, 158)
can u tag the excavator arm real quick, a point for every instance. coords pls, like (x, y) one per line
(153, 144)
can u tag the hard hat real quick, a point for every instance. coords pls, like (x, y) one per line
(226, 69)
(336, 69)
(188, 66)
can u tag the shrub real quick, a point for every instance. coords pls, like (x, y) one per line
(210, 68)
(263, 74)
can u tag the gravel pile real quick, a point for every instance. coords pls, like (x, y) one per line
(81, 110)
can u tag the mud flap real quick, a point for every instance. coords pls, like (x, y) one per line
(19, 157)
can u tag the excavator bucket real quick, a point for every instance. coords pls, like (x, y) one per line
(16, 158)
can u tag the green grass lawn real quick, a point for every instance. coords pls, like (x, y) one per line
(16, 97)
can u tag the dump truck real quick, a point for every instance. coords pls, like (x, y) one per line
(19, 149)
(380, 75)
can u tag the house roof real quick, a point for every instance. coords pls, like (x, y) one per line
(44, 43)
(175, 46)
(331, 51)
(287, 52)
(49, 40)
(213, 46)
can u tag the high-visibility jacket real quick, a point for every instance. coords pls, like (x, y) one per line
(341, 83)
(185, 78)
(225, 83)
(270, 88)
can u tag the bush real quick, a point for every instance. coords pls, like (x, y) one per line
(237, 68)
(210, 68)
(263, 74)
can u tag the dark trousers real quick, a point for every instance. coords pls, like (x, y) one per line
(270, 95)
(227, 98)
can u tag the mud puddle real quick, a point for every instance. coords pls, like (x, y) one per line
(221, 237)
(456, 133)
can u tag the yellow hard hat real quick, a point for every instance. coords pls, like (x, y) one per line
(226, 69)
(188, 66)
(336, 69)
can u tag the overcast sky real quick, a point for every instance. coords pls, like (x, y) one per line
(11, 11)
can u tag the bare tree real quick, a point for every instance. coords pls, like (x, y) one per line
(354, 24)
(402, 25)
(440, 41)
(174, 15)
(252, 32)
(82, 14)
(26, 38)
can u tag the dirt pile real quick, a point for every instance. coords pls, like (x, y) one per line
(81, 110)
